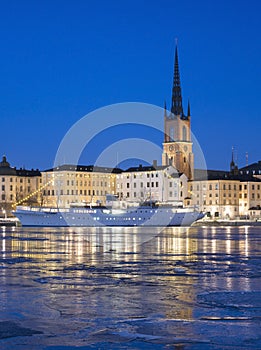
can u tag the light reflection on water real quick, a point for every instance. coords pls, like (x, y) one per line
(64, 281)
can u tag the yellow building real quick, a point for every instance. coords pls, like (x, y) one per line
(249, 195)
(69, 183)
(18, 185)
(224, 195)
(216, 195)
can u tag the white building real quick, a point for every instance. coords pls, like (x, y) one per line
(160, 183)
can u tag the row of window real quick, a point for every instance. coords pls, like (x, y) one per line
(11, 197)
(226, 187)
(74, 193)
(141, 194)
(81, 183)
(149, 184)
(216, 202)
(21, 180)
(253, 195)
(73, 174)
(258, 172)
(141, 175)
(13, 188)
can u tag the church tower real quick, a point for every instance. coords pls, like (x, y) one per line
(233, 166)
(177, 145)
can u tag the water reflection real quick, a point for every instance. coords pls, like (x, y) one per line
(78, 275)
(79, 241)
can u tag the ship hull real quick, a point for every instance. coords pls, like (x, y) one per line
(141, 216)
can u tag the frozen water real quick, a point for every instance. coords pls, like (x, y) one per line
(195, 288)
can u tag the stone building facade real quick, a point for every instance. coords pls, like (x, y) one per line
(224, 195)
(69, 183)
(18, 185)
(157, 183)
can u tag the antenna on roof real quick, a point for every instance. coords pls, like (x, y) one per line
(246, 158)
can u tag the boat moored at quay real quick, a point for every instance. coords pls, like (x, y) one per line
(86, 215)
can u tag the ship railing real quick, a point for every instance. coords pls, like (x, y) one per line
(42, 209)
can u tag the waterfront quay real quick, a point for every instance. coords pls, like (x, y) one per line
(130, 288)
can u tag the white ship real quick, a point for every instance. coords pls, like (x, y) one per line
(84, 215)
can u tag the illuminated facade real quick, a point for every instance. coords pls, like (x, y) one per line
(18, 185)
(219, 198)
(69, 183)
(250, 197)
(224, 195)
(160, 183)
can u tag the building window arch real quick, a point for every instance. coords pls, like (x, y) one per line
(171, 133)
(184, 133)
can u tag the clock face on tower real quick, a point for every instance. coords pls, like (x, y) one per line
(171, 147)
(185, 148)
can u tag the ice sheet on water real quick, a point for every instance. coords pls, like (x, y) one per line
(41, 280)
(236, 299)
(82, 297)
(17, 260)
(9, 329)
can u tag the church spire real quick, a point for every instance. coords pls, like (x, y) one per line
(188, 113)
(176, 107)
(233, 166)
(165, 108)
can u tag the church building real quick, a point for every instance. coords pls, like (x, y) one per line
(177, 145)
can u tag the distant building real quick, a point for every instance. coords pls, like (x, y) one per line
(18, 185)
(249, 194)
(252, 169)
(225, 194)
(177, 145)
(70, 183)
(255, 212)
(217, 194)
(159, 183)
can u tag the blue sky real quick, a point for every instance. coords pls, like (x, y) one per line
(61, 59)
